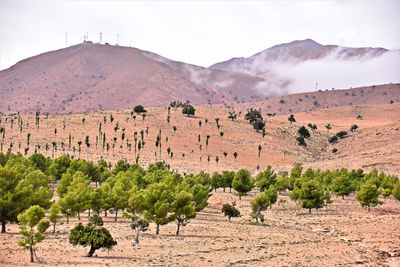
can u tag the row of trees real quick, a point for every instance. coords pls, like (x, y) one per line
(156, 195)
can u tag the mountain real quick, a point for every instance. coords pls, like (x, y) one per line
(305, 65)
(294, 53)
(91, 76)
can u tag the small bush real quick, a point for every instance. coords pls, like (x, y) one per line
(333, 140)
(300, 141)
(334, 150)
(139, 109)
(341, 134)
(353, 127)
(304, 132)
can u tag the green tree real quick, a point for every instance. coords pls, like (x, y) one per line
(259, 204)
(139, 109)
(54, 215)
(311, 195)
(265, 179)
(342, 185)
(242, 182)
(183, 208)
(93, 235)
(188, 109)
(32, 226)
(157, 200)
(368, 195)
(230, 211)
(396, 191)
(227, 179)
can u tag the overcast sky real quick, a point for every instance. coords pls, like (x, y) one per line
(197, 32)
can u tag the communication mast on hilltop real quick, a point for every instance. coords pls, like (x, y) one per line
(100, 37)
(66, 39)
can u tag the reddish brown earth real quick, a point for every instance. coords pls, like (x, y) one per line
(375, 144)
(294, 103)
(103, 77)
(342, 234)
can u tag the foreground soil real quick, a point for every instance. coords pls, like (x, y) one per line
(342, 234)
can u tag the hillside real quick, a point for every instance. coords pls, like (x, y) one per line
(102, 77)
(374, 144)
(311, 101)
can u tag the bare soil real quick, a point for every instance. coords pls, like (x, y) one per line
(342, 234)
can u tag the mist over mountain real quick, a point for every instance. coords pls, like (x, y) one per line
(305, 65)
(91, 76)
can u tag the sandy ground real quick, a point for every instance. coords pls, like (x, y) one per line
(342, 234)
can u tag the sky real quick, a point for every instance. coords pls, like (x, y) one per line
(196, 32)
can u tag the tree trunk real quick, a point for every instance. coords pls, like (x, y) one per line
(343, 197)
(31, 248)
(137, 237)
(369, 208)
(177, 229)
(224, 189)
(230, 189)
(240, 197)
(67, 219)
(309, 211)
(158, 229)
(3, 227)
(105, 213)
(116, 214)
(229, 218)
(79, 216)
(89, 212)
(54, 228)
(91, 251)
(257, 219)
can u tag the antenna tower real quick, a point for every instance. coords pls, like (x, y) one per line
(100, 37)
(66, 39)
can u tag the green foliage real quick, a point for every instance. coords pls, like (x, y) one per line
(54, 215)
(20, 190)
(188, 109)
(242, 182)
(230, 211)
(92, 235)
(183, 208)
(311, 195)
(32, 226)
(396, 191)
(342, 185)
(261, 202)
(265, 179)
(368, 195)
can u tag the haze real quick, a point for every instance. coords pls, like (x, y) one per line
(197, 32)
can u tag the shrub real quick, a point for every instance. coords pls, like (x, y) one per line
(230, 211)
(353, 127)
(139, 109)
(341, 134)
(334, 150)
(301, 141)
(304, 132)
(333, 140)
(92, 235)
